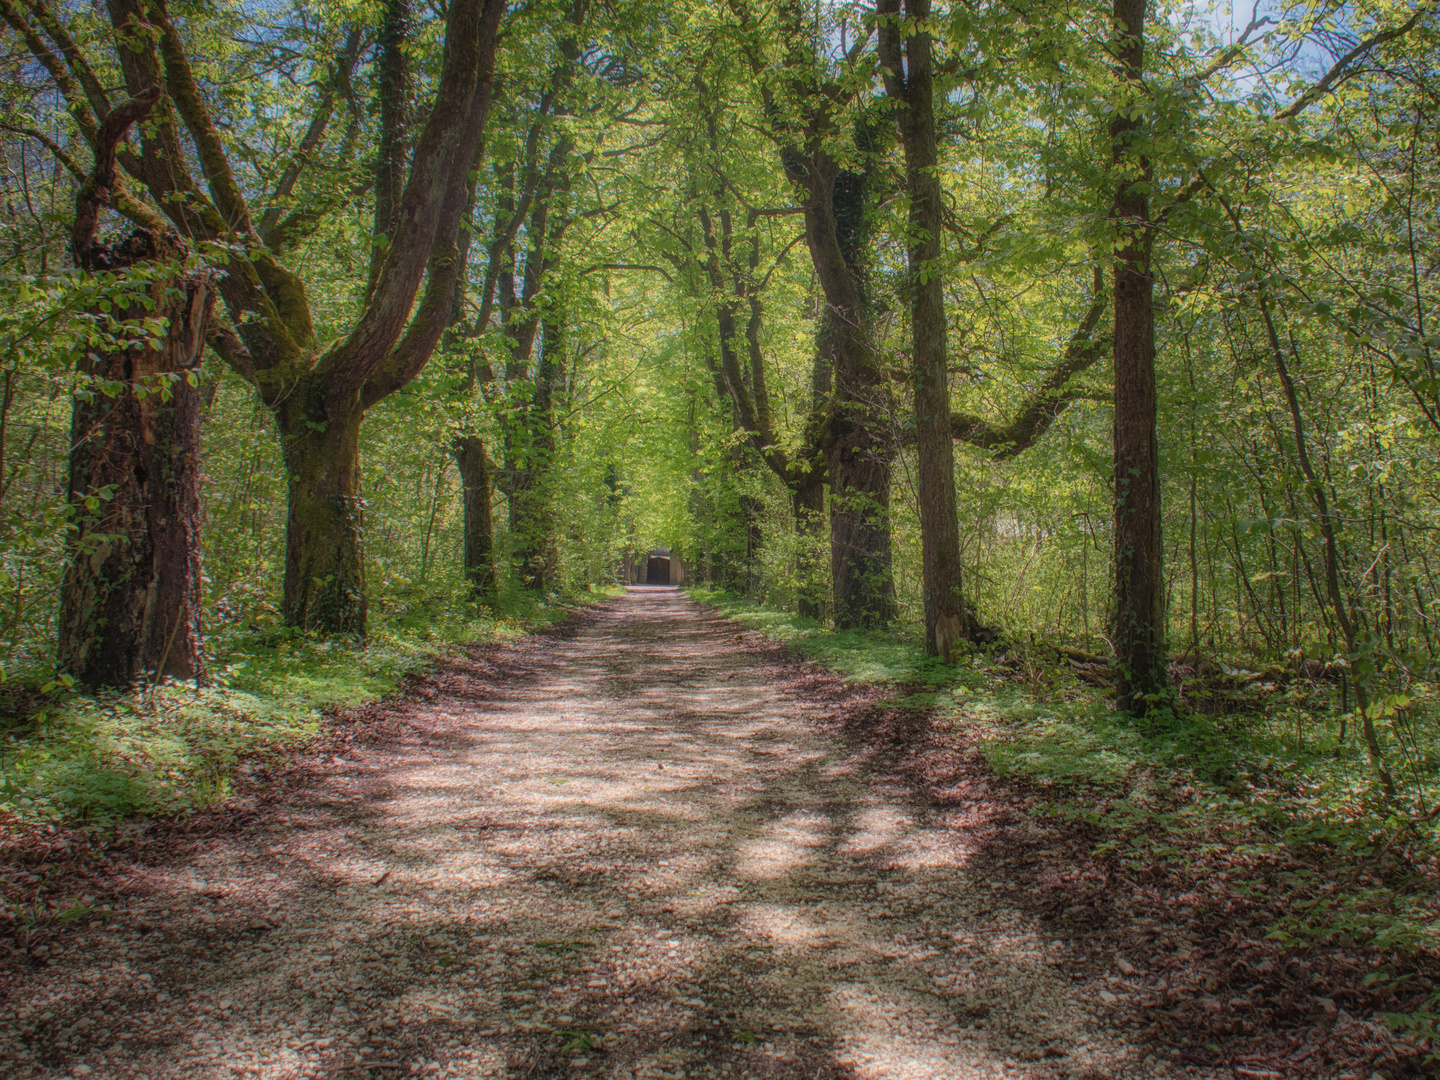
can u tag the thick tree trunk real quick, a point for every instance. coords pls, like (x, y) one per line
(130, 601)
(860, 555)
(860, 449)
(479, 543)
(531, 520)
(858, 462)
(524, 506)
(1139, 626)
(909, 85)
(324, 532)
(130, 597)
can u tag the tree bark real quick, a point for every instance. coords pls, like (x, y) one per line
(808, 500)
(130, 601)
(324, 589)
(860, 448)
(532, 517)
(908, 82)
(1139, 621)
(393, 90)
(319, 396)
(131, 594)
(479, 528)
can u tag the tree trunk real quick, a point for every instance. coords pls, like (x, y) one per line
(860, 449)
(908, 83)
(1139, 627)
(324, 532)
(808, 500)
(750, 509)
(532, 519)
(860, 557)
(479, 545)
(130, 602)
(130, 597)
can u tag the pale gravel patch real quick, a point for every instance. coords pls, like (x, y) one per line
(641, 833)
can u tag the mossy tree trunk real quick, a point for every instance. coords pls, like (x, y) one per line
(861, 564)
(1138, 630)
(324, 589)
(131, 594)
(860, 448)
(319, 395)
(478, 556)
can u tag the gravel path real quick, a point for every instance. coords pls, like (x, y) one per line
(631, 852)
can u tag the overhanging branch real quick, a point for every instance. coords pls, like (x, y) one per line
(1041, 408)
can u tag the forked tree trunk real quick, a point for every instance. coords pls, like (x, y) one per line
(324, 536)
(854, 430)
(479, 527)
(130, 597)
(1139, 626)
(319, 394)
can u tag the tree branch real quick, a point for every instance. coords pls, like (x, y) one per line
(214, 163)
(1338, 71)
(96, 191)
(1041, 408)
(338, 79)
(74, 57)
(432, 316)
(232, 350)
(1341, 67)
(50, 144)
(438, 181)
(69, 89)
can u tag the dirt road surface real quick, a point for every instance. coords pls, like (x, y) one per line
(635, 850)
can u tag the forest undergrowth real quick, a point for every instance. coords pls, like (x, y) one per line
(1249, 820)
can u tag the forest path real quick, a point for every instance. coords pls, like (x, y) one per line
(633, 851)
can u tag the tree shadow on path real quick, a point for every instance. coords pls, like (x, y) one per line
(644, 847)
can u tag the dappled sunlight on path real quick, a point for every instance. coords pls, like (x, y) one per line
(630, 852)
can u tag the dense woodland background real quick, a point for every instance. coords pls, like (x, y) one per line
(504, 293)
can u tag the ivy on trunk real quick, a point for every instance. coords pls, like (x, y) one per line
(130, 598)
